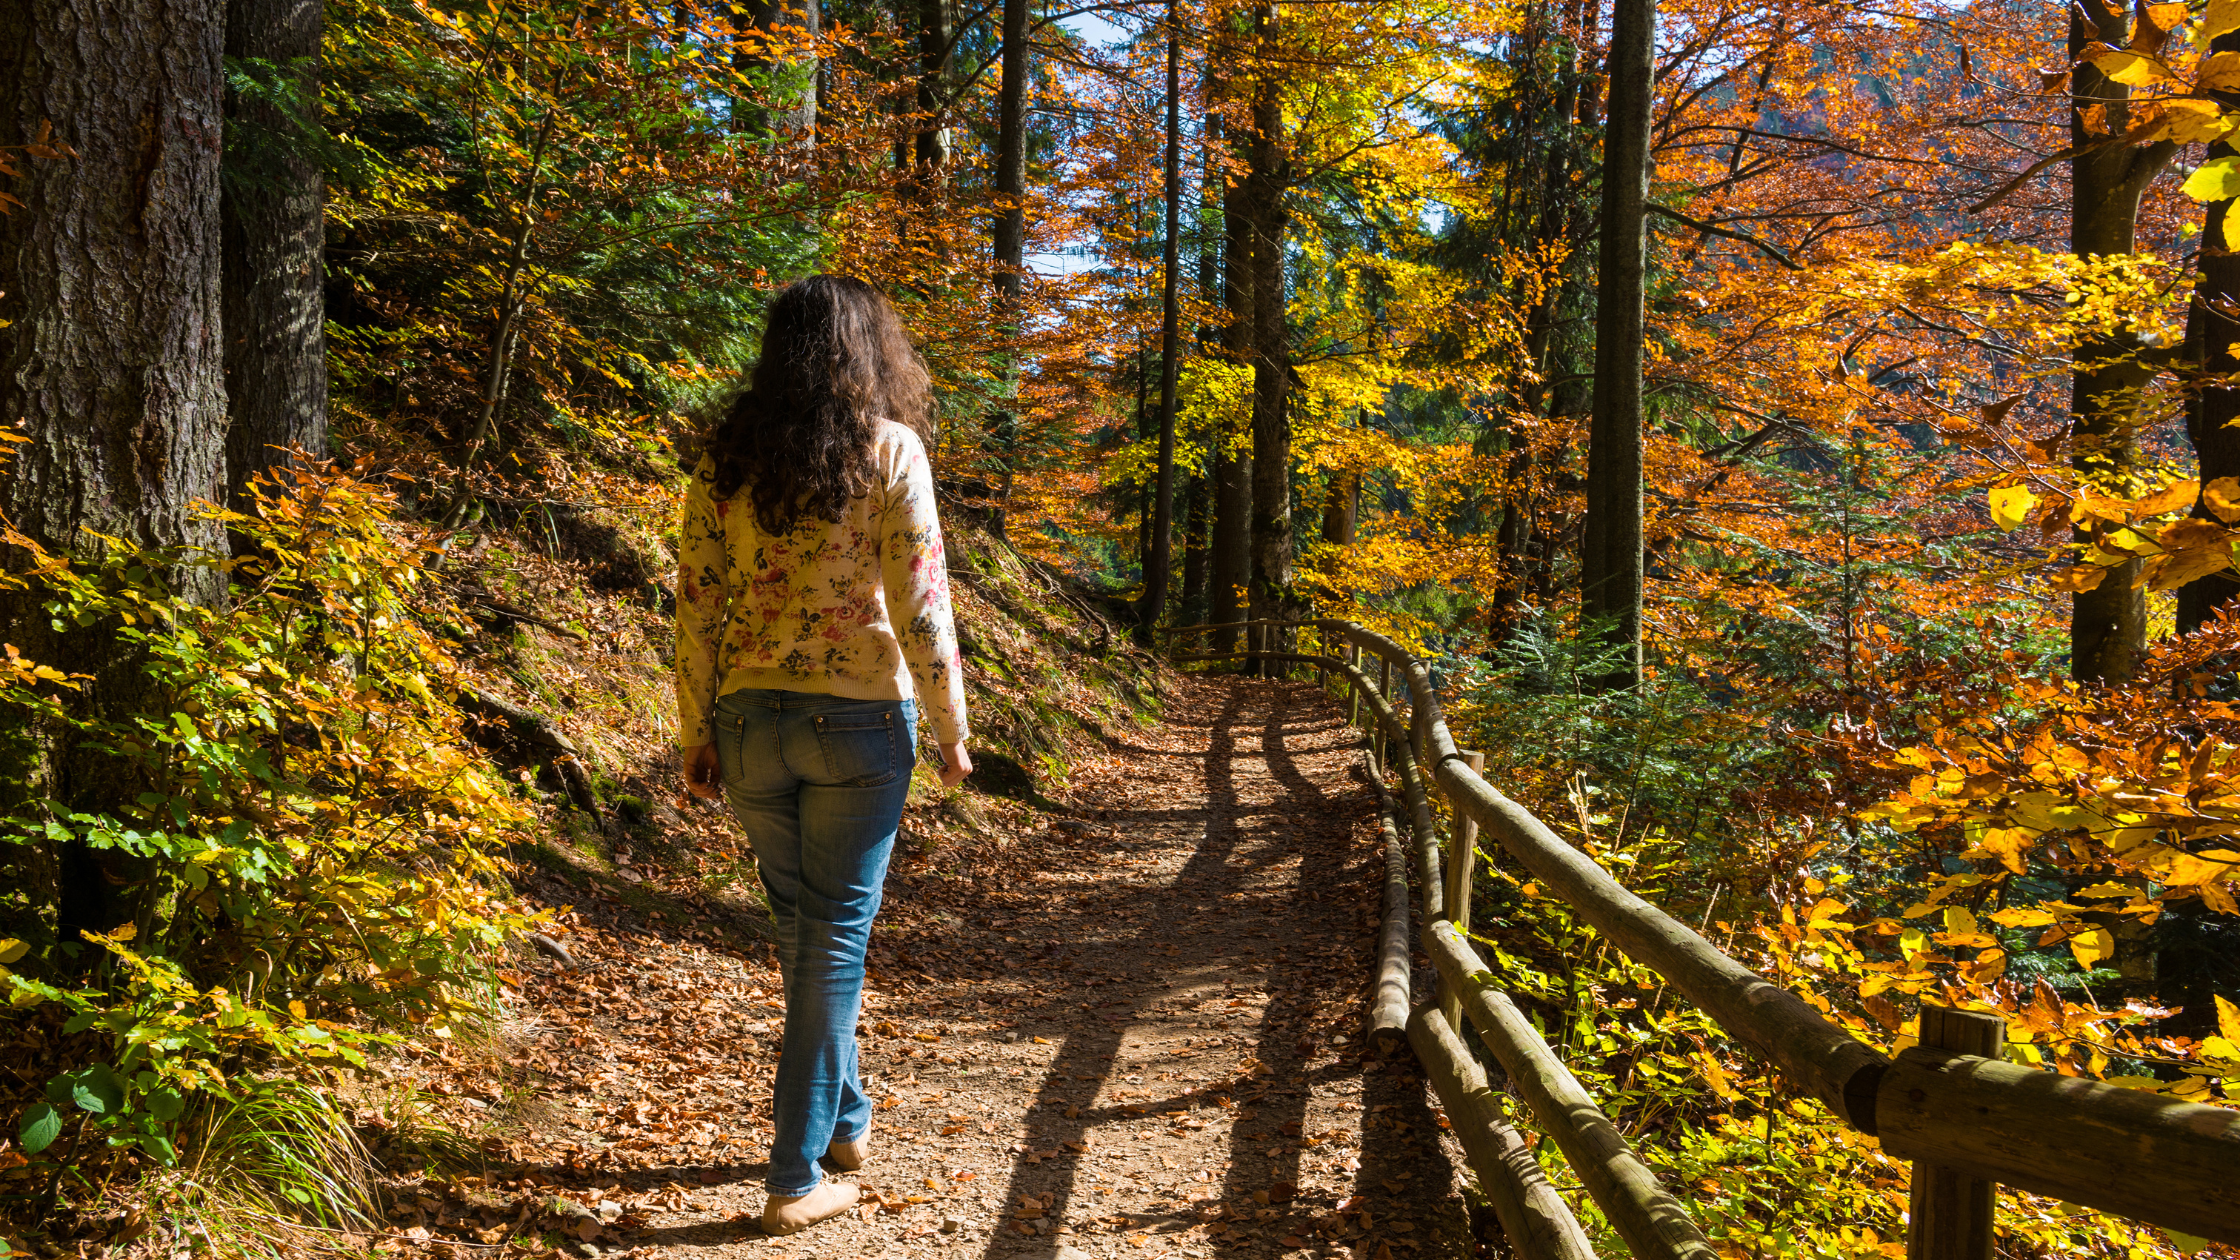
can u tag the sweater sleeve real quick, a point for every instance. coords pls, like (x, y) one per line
(703, 605)
(915, 572)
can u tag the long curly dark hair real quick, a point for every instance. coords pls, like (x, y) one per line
(835, 362)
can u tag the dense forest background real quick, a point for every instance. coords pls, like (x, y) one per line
(1799, 435)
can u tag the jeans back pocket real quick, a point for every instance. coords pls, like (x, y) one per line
(859, 748)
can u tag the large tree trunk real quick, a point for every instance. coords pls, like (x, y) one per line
(2108, 624)
(1232, 474)
(788, 103)
(2212, 337)
(111, 358)
(274, 236)
(112, 362)
(1271, 361)
(1610, 554)
(1170, 345)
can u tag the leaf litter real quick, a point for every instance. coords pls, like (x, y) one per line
(1126, 1024)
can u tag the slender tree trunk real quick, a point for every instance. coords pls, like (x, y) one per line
(111, 357)
(1271, 361)
(1232, 474)
(931, 147)
(1010, 243)
(1610, 554)
(1143, 433)
(1011, 156)
(1232, 545)
(515, 289)
(889, 54)
(1210, 183)
(2213, 337)
(1588, 16)
(273, 208)
(2108, 624)
(1194, 552)
(1555, 218)
(1170, 342)
(1198, 556)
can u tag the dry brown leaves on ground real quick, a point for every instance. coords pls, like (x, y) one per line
(1132, 1028)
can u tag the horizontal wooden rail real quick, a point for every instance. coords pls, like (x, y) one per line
(1277, 622)
(2124, 1151)
(1539, 1224)
(1810, 1050)
(1638, 1206)
(1388, 1008)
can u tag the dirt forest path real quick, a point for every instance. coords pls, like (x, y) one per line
(1136, 1034)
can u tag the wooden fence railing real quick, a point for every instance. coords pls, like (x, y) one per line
(1968, 1120)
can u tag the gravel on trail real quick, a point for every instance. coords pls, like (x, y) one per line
(1130, 1025)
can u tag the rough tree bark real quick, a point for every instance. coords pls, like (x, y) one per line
(111, 360)
(273, 231)
(2108, 624)
(1610, 553)
(1170, 345)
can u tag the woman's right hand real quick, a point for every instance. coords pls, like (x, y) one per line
(956, 763)
(703, 777)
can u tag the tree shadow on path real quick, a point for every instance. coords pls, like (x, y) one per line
(1276, 857)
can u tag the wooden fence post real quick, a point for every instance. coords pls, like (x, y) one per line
(1384, 692)
(1353, 693)
(1462, 869)
(1952, 1213)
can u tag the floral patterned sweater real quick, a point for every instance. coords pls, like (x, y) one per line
(858, 609)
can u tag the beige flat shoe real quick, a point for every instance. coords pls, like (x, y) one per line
(849, 1156)
(790, 1214)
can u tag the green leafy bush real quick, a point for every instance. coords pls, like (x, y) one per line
(300, 847)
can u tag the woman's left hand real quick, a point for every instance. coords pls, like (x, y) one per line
(703, 777)
(956, 763)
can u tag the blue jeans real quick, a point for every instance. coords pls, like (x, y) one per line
(818, 782)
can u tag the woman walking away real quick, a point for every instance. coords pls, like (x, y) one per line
(812, 622)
